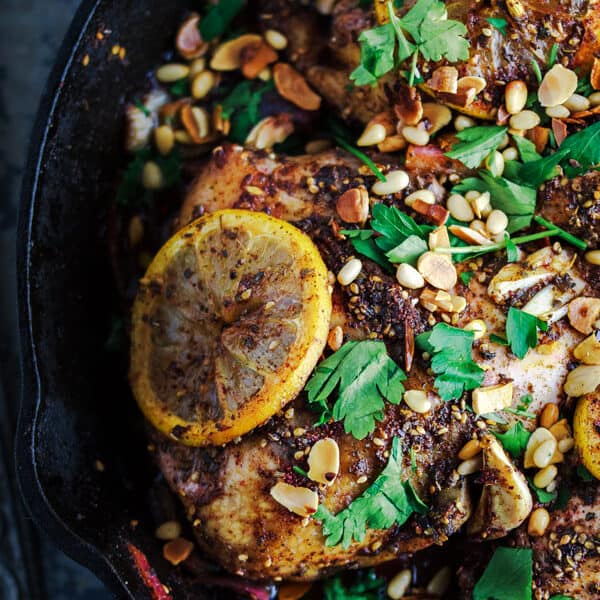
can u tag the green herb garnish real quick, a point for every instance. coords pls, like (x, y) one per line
(451, 360)
(521, 331)
(299, 471)
(561, 233)
(362, 586)
(466, 276)
(584, 474)
(387, 501)
(366, 375)
(508, 576)
(498, 23)
(218, 18)
(542, 495)
(433, 36)
(514, 439)
(348, 147)
(553, 54)
(476, 143)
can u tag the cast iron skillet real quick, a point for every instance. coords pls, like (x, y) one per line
(75, 406)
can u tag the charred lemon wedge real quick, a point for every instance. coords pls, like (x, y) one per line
(229, 321)
(586, 429)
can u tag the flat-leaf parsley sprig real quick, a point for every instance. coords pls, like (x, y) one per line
(387, 501)
(430, 34)
(366, 375)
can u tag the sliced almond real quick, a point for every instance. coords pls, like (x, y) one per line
(255, 57)
(557, 86)
(196, 123)
(353, 205)
(436, 298)
(189, 42)
(444, 79)
(439, 238)
(299, 500)
(471, 82)
(583, 313)
(539, 136)
(292, 86)
(324, 461)
(559, 129)
(492, 398)
(434, 213)
(228, 56)
(177, 550)
(595, 74)
(219, 123)
(436, 116)
(437, 270)
(392, 143)
(471, 236)
(270, 131)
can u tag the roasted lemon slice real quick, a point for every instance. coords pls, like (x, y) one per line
(587, 433)
(229, 321)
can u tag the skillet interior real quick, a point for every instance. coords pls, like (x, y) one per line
(76, 407)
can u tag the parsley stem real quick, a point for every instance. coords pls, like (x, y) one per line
(561, 233)
(413, 68)
(361, 156)
(497, 246)
(299, 471)
(536, 70)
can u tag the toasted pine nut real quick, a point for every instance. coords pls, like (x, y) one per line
(545, 476)
(594, 99)
(152, 177)
(416, 136)
(349, 272)
(543, 453)
(424, 195)
(470, 466)
(459, 208)
(593, 257)
(409, 277)
(526, 120)
(472, 195)
(438, 585)
(172, 72)
(196, 67)
(276, 39)
(417, 400)
(515, 96)
(494, 163)
(373, 134)
(335, 338)
(496, 222)
(469, 450)
(549, 415)
(202, 84)
(566, 445)
(515, 8)
(396, 182)
(558, 112)
(164, 138)
(478, 327)
(462, 122)
(399, 585)
(538, 522)
(577, 102)
(510, 153)
(479, 226)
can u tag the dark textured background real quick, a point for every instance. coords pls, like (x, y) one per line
(30, 34)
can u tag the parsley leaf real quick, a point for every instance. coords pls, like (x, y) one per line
(466, 276)
(526, 148)
(363, 586)
(387, 501)
(508, 576)
(363, 242)
(433, 35)
(498, 23)
(584, 474)
(584, 146)
(394, 226)
(451, 360)
(542, 495)
(365, 375)
(512, 252)
(218, 18)
(514, 439)
(476, 143)
(521, 331)
(408, 251)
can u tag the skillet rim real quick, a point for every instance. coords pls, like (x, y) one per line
(36, 503)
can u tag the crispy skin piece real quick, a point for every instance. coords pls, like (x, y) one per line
(574, 205)
(574, 25)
